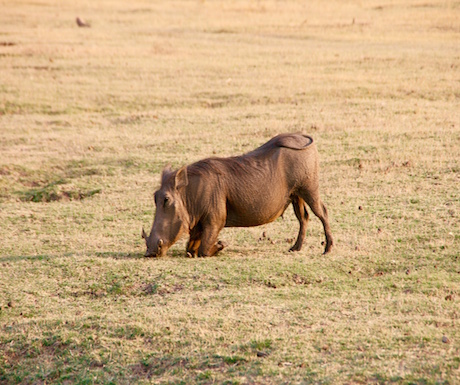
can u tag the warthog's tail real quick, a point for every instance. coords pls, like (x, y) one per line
(296, 141)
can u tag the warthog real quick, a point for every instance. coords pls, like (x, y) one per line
(248, 190)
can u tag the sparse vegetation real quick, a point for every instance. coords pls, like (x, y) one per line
(88, 119)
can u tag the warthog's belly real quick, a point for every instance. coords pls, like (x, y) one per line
(255, 214)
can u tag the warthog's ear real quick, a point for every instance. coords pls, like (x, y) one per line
(181, 178)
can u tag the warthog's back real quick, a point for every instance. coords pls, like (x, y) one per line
(256, 187)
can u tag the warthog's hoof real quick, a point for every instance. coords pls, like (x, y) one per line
(328, 248)
(296, 247)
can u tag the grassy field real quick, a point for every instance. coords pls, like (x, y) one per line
(90, 116)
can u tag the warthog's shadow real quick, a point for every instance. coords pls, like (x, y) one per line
(44, 257)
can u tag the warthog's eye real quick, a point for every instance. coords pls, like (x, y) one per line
(166, 201)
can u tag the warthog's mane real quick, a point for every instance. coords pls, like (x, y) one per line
(237, 165)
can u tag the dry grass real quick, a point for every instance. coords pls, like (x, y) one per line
(88, 118)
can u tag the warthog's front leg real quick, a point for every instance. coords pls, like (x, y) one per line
(194, 242)
(209, 244)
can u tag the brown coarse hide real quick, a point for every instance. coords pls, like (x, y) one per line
(248, 190)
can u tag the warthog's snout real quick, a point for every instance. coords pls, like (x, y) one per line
(155, 253)
(154, 249)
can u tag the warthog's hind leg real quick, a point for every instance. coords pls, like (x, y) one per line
(300, 210)
(319, 209)
(327, 229)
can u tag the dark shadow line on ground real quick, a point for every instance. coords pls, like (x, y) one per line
(97, 254)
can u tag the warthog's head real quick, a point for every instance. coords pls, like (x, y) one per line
(171, 218)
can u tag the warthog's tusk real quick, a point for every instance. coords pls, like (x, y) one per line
(160, 243)
(144, 234)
